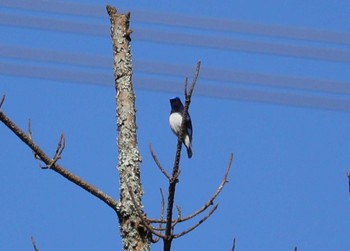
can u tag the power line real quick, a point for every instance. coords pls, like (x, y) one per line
(57, 7)
(156, 84)
(185, 39)
(276, 49)
(212, 24)
(54, 24)
(286, 90)
(160, 68)
(256, 29)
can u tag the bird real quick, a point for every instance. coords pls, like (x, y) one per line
(175, 121)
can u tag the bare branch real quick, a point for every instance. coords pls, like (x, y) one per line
(198, 223)
(153, 220)
(30, 135)
(141, 215)
(60, 147)
(206, 205)
(176, 167)
(234, 244)
(158, 163)
(161, 220)
(160, 228)
(178, 211)
(348, 174)
(213, 197)
(162, 211)
(34, 244)
(27, 139)
(178, 216)
(2, 100)
(194, 81)
(186, 85)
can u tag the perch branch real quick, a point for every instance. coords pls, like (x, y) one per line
(55, 167)
(176, 166)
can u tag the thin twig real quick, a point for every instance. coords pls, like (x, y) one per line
(186, 84)
(158, 163)
(234, 244)
(2, 100)
(198, 223)
(213, 197)
(162, 203)
(194, 81)
(161, 215)
(178, 211)
(60, 147)
(153, 220)
(30, 135)
(348, 174)
(178, 219)
(34, 244)
(57, 168)
(207, 204)
(144, 220)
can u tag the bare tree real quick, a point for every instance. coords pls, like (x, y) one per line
(137, 230)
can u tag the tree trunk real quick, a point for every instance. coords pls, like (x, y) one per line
(134, 235)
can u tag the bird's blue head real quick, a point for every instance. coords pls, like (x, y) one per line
(176, 104)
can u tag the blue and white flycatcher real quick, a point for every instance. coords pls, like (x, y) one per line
(175, 121)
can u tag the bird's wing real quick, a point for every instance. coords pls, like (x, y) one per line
(189, 129)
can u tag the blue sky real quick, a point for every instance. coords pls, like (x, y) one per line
(289, 132)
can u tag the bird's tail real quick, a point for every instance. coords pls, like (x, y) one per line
(189, 152)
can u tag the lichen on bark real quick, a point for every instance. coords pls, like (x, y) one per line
(134, 235)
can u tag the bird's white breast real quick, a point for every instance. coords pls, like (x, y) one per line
(175, 120)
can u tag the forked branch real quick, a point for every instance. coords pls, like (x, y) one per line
(51, 164)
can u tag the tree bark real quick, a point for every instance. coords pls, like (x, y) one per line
(134, 235)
